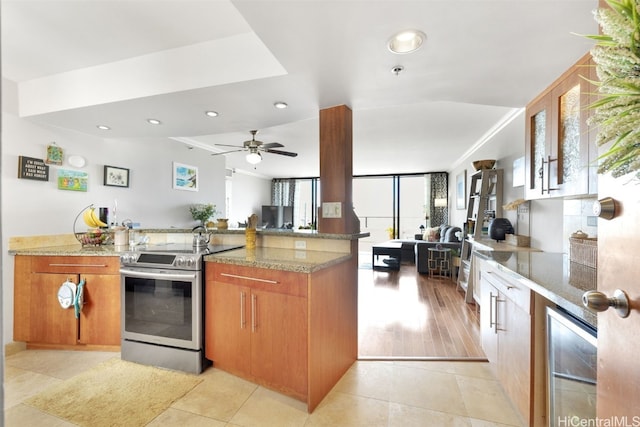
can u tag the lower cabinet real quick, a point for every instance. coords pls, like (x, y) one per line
(506, 309)
(259, 332)
(295, 333)
(39, 320)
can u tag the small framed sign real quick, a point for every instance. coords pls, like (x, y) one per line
(115, 176)
(31, 168)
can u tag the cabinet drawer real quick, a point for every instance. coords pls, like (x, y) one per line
(284, 282)
(76, 264)
(516, 292)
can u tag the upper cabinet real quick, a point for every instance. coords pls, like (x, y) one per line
(560, 160)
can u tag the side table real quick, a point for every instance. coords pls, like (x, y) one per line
(439, 262)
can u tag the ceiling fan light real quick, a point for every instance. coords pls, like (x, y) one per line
(406, 41)
(254, 158)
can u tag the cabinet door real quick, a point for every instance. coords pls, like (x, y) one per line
(50, 323)
(569, 168)
(100, 315)
(488, 317)
(227, 326)
(537, 147)
(279, 340)
(514, 356)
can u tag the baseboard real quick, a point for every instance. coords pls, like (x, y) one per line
(14, 347)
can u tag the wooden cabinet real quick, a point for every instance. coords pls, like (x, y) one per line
(257, 325)
(506, 308)
(39, 319)
(559, 159)
(292, 332)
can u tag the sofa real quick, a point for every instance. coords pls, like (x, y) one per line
(446, 238)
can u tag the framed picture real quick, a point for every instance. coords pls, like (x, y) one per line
(185, 177)
(461, 190)
(115, 176)
(72, 180)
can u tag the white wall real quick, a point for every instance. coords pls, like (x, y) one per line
(31, 208)
(249, 193)
(546, 216)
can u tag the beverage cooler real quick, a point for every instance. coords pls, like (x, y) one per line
(571, 369)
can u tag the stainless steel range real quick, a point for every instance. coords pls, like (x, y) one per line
(162, 305)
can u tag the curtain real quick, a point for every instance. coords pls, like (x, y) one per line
(439, 190)
(283, 192)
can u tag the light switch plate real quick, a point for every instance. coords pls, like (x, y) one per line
(332, 210)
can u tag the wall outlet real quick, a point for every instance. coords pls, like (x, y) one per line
(300, 244)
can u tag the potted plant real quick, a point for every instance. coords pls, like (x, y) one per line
(202, 212)
(617, 112)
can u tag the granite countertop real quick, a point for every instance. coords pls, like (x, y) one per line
(312, 234)
(73, 250)
(300, 261)
(551, 275)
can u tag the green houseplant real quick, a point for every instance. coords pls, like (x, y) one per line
(202, 212)
(617, 111)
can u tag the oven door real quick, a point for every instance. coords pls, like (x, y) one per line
(162, 307)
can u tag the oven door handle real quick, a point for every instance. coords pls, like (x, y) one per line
(156, 275)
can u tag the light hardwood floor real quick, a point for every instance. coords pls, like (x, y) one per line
(403, 314)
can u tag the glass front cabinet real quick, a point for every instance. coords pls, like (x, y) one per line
(559, 156)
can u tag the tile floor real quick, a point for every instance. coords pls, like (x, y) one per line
(371, 393)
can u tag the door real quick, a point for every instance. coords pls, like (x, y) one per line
(100, 315)
(279, 339)
(618, 267)
(50, 323)
(228, 326)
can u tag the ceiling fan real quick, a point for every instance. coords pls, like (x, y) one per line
(255, 147)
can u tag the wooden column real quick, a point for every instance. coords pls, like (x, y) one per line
(336, 172)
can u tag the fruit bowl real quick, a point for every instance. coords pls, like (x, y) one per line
(95, 237)
(483, 164)
(97, 234)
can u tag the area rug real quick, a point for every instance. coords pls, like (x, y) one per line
(115, 393)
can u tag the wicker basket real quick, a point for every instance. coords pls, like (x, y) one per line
(584, 251)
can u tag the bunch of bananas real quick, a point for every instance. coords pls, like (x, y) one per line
(91, 219)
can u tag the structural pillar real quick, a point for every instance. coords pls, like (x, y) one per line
(336, 172)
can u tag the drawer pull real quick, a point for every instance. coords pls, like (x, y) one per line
(77, 265)
(255, 279)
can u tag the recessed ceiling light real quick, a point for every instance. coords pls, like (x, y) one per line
(280, 105)
(211, 113)
(406, 41)
(154, 121)
(103, 127)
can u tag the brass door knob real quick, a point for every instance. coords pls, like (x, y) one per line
(599, 301)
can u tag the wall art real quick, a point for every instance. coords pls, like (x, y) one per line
(72, 180)
(55, 154)
(115, 176)
(461, 190)
(185, 177)
(31, 168)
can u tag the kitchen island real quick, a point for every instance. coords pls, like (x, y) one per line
(283, 318)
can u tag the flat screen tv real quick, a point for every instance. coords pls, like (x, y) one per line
(277, 216)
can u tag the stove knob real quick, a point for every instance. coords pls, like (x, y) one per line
(180, 261)
(190, 262)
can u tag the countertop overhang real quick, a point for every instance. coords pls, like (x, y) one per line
(551, 275)
(300, 261)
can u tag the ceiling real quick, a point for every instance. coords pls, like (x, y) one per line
(82, 63)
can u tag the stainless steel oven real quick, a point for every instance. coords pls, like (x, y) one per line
(572, 369)
(162, 306)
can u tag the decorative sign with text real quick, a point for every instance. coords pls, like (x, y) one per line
(31, 168)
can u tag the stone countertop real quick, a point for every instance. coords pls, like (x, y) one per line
(73, 250)
(301, 261)
(551, 275)
(312, 234)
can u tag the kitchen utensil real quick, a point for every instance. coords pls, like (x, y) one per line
(200, 237)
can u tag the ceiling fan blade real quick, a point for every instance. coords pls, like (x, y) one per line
(227, 145)
(270, 145)
(226, 152)
(284, 153)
